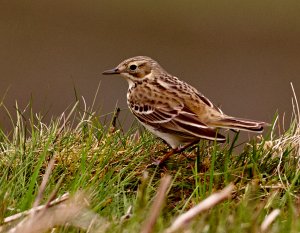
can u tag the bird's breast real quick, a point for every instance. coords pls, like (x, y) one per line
(153, 95)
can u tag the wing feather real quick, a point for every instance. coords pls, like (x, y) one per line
(181, 121)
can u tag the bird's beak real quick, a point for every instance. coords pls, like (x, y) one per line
(112, 71)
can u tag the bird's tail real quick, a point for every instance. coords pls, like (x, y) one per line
(241, 124)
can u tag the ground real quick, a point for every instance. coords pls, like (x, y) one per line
(109, 187)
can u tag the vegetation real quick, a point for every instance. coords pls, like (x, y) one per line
(112, 189)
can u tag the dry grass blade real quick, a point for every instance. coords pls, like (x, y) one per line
(269, 219)
(74, 212)
(66, 119)
(157, 204)
(206, 204)
(35, 209)
(44, 182)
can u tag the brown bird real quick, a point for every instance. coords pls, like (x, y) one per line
(172, 109)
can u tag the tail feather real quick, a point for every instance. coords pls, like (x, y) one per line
(242, 124)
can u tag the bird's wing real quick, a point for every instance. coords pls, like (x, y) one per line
(208, 102)
(178, 120)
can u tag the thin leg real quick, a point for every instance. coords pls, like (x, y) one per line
(166, 156)
(181, 149)
(175, 151)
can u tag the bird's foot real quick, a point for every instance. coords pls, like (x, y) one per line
(155, 163)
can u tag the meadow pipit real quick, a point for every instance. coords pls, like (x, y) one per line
(172, 109)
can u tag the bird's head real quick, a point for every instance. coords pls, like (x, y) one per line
(136, 69)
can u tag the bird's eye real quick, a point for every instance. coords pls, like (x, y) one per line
(132, 67)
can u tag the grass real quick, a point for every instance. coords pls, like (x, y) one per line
(104, 169)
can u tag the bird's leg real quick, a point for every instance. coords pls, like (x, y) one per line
(175, 151)
(181, 149)
(166, 156)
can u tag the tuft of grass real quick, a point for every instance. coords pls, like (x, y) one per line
(109, 166)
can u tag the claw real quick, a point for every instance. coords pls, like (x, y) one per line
(171, 152)
(155, 163)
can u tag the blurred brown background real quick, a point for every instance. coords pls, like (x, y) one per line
(241, 54)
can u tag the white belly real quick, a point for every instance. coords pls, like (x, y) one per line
(173, 140)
